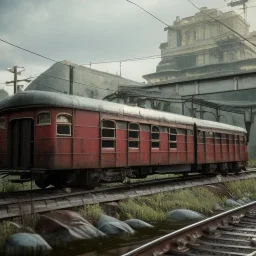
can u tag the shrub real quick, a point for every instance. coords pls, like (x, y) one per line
(91, 213)
(242, 188)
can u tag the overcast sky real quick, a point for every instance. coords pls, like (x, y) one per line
(83, 31)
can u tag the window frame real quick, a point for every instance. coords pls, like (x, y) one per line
(70, 124)
(131, 139)
(44, 112)
(4, 119)
(218, 138)
(173, 141)
(113, 139)
(155, 140)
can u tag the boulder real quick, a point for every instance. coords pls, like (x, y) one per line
(112, 226)
(62, 227)
(218, 208)
(240, 201)
(218, 190)
(185, 215)
(138, 224)
(232, 203)
(246, 200)
(26, 244)
(111, 208)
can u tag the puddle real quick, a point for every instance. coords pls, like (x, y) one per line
(116, 245)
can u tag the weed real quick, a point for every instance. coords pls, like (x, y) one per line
(91, 213)
(7, 229)
(131, 209)
(252, 163)
(242, 188)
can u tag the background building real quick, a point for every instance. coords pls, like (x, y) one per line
(199, 46)
(87, 82)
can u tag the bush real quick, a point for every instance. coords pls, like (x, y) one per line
(134, 209)
(243, 188)
(252, 163)
(7, 229)
(91, 213)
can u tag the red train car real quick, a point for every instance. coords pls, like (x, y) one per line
(70, 139)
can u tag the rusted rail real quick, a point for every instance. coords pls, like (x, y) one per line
(229, 233)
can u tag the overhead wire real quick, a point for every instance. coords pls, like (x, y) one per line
(154, 56)
(131, 59)
(148, 13)
(222, 23)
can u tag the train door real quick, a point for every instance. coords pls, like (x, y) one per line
(21, 142)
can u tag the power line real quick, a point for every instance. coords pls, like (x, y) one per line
(154, 56)
(223, 25)
(148, 13)
(28, 50)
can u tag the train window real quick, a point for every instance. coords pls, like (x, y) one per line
(172, 138)
(217, 138)
(44, 118)
(108, 134)
(227, 139)
(190, 132)
(64, 125)
(201, 136)
(134, 135)
(209, 134)
(233, 139)
(237, 139)
(155, 137)
(2, 123)
(181, 131)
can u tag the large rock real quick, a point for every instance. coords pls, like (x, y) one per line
(112, 226)
(26, 244)
(138, 224)
(218, 208)
(111, 208)
(62, 227)
(218, 190)
(185, 215)
(232, 203)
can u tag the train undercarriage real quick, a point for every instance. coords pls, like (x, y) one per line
(89, 179)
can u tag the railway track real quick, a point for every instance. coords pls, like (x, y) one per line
(232, 233)
(17, 204)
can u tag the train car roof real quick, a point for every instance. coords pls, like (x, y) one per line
(52, 99)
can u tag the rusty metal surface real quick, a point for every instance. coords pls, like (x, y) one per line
(30, 99)
(15, 206)
(230, 233)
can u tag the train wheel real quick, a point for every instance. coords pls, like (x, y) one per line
(58, 181)
(43, 182)
(88, 179)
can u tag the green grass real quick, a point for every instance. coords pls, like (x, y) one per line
(134, 209)
(7, 186)
(154, 208)
(6, 230)
(252, 163)
(243, 188)
(91, 213)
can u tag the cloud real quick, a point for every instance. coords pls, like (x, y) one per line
(90, 31)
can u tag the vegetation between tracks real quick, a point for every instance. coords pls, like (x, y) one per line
(152, 209)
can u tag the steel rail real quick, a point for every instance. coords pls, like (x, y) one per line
(15, 207)
(140, 183)
(182, 240)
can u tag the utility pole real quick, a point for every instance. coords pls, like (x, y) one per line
(120, 68)
(240, 2)
(71, 78)
(14, 70)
